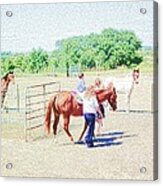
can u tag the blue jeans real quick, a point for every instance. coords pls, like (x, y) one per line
(90, 121)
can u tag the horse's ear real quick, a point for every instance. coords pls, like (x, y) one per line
(136, 70)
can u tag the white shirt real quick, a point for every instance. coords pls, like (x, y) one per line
(90, 105)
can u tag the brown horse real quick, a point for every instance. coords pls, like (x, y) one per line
(64, 103)
(5, 82)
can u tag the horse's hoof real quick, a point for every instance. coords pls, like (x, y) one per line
(55, 140)
(72, 142)
(71, 139)
(79, 142)
(80, 139)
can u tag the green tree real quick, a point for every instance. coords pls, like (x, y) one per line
(37, 60)
(109, 49)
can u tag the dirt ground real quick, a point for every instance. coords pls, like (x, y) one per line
(124, 150)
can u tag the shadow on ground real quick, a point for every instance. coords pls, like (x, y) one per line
(108, 139)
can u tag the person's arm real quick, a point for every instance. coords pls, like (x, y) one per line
(99, 111)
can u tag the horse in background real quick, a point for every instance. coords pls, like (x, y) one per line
(64, 103)
(5, 82)
(125, 85)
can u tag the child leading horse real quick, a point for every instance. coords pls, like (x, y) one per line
(64, 103)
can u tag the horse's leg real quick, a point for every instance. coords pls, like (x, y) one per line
(56, 121)
(83, 132)
(128, 103)
(99, 125)
(55, 124)
(66, 119)
(128, 99)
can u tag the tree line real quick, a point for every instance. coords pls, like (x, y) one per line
(107, 50)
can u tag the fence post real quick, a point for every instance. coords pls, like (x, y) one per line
(18, 98)
(44, 97)
(26, 110)
(152, 97)
(30, 104)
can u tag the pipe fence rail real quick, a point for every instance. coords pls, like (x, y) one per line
(36, 99)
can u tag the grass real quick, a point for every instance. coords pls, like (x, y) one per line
(146, 67)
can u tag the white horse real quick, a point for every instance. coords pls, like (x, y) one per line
(125, 85)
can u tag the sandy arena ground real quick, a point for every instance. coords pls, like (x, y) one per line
(123, 148)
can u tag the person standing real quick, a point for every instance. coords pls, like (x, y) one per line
(90, 107)
(99, 119)
(81, 87)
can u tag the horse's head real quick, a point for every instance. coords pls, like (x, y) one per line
(113, 99)
(108, 93)
(98, 82)
(135, 75)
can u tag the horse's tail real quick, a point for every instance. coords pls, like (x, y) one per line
(48, 113)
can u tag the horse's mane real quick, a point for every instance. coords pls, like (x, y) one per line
(99, 91)
(6, 75)
(103, 90)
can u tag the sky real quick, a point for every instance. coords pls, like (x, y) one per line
(41, 25)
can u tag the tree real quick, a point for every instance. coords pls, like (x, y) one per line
(37, 60)
(109, 49)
